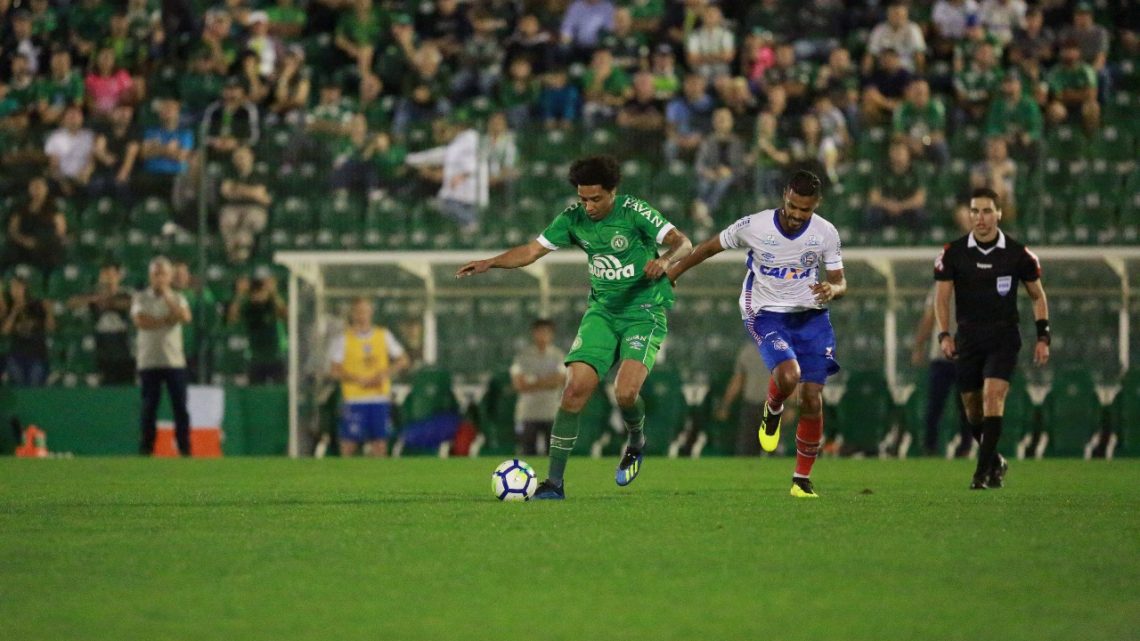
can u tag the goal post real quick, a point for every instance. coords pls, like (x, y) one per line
(473, 326)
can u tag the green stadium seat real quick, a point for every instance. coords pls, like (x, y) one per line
(338, 223)
(150, 215)
(497, 415)
(1073, 412)
(720, 436)
(229, 357)
(1020, 422)
(594, 423)
(1065, 143)
(1129, 204)
(291, 223)
(78, 360)
(864, 411)
(70, 280)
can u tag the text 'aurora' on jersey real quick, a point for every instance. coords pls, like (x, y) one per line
(782, 268)
(617, 248)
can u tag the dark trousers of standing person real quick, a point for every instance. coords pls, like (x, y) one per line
(527, 435)
(176, 381)
(942, 382)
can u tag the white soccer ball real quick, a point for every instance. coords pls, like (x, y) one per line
(513, 480)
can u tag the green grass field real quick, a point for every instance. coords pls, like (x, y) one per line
(124, 549)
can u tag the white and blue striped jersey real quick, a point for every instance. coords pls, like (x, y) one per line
(782, 268)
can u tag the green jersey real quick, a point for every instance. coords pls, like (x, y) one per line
(617, 249)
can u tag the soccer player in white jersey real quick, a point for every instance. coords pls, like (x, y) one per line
(795, 268)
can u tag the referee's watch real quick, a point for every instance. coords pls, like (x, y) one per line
(1043, 332)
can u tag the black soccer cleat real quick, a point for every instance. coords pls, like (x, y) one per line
(979, 482)
(547, 491)
(996, 478)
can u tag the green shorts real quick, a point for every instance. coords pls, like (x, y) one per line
(605, 336)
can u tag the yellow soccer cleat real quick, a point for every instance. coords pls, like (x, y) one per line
(770, 430)
(802, 489)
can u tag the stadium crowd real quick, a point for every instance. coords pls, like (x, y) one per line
(121, 120)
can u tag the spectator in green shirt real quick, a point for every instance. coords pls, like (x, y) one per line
(898, 197)
(518, 93)
(357, 32)
(1072, 89)
(1015, 118)
(977, 84)
(286, 19)
(63, 88)
(605, 89)
(258, 309)
(86, 23)
(646, 14)
(920, 122)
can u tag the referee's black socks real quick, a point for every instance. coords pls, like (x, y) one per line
(991, 434)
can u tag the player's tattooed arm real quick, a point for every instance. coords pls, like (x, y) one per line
(700, 253)
(679, 247)
(519, 256)
(834, 287)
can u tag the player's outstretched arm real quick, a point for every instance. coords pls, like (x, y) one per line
(702, 252)
(679, 247)
(520, 256)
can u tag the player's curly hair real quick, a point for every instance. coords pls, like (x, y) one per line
(805, 183)
(595, 170)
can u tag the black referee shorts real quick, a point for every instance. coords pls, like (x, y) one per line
(985, 355)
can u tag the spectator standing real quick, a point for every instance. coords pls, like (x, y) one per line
(537, 375)
(898, 33)
(977, 84)
(108, 86)
(606, 89)
(244, 209)
(166, 150)
(70, 151)
(941, 381)
(1092, 40)
(1016, 118)
(26, 324)
(583, 25)
(461, 167)
(115, 153)
(898, 197)
(1073, 89)
(258, 308)
(357, 31)
(920, 122)
(231, 122)
(36, 230)
(63, 88)
(998, 173)
(159, 312)
(110, 306)
(559, 101)
(720, 159)
(688, 118)
(291, 88)
(364, 359)
(883, 90)
(711, 49)
(749, 382)
(1002, 17)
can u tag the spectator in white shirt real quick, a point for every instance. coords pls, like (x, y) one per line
(1001, 17)
(949, 18)
(900, 33)
(461, 168)
(711, 49)
(70, 150)
(267, 48)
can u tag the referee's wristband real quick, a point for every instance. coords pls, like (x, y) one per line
(1043, 333)
(942, 335)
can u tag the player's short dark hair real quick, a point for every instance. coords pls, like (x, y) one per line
(539, 323)
(595, 170)
(986, 192)
(805, 183)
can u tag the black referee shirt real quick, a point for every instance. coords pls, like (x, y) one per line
(986, 279)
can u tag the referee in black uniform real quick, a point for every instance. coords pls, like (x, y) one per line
(982, 269)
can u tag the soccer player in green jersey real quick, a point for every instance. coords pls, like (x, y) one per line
(625, 319)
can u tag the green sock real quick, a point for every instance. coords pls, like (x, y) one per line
(562, 438)
(634, 419)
